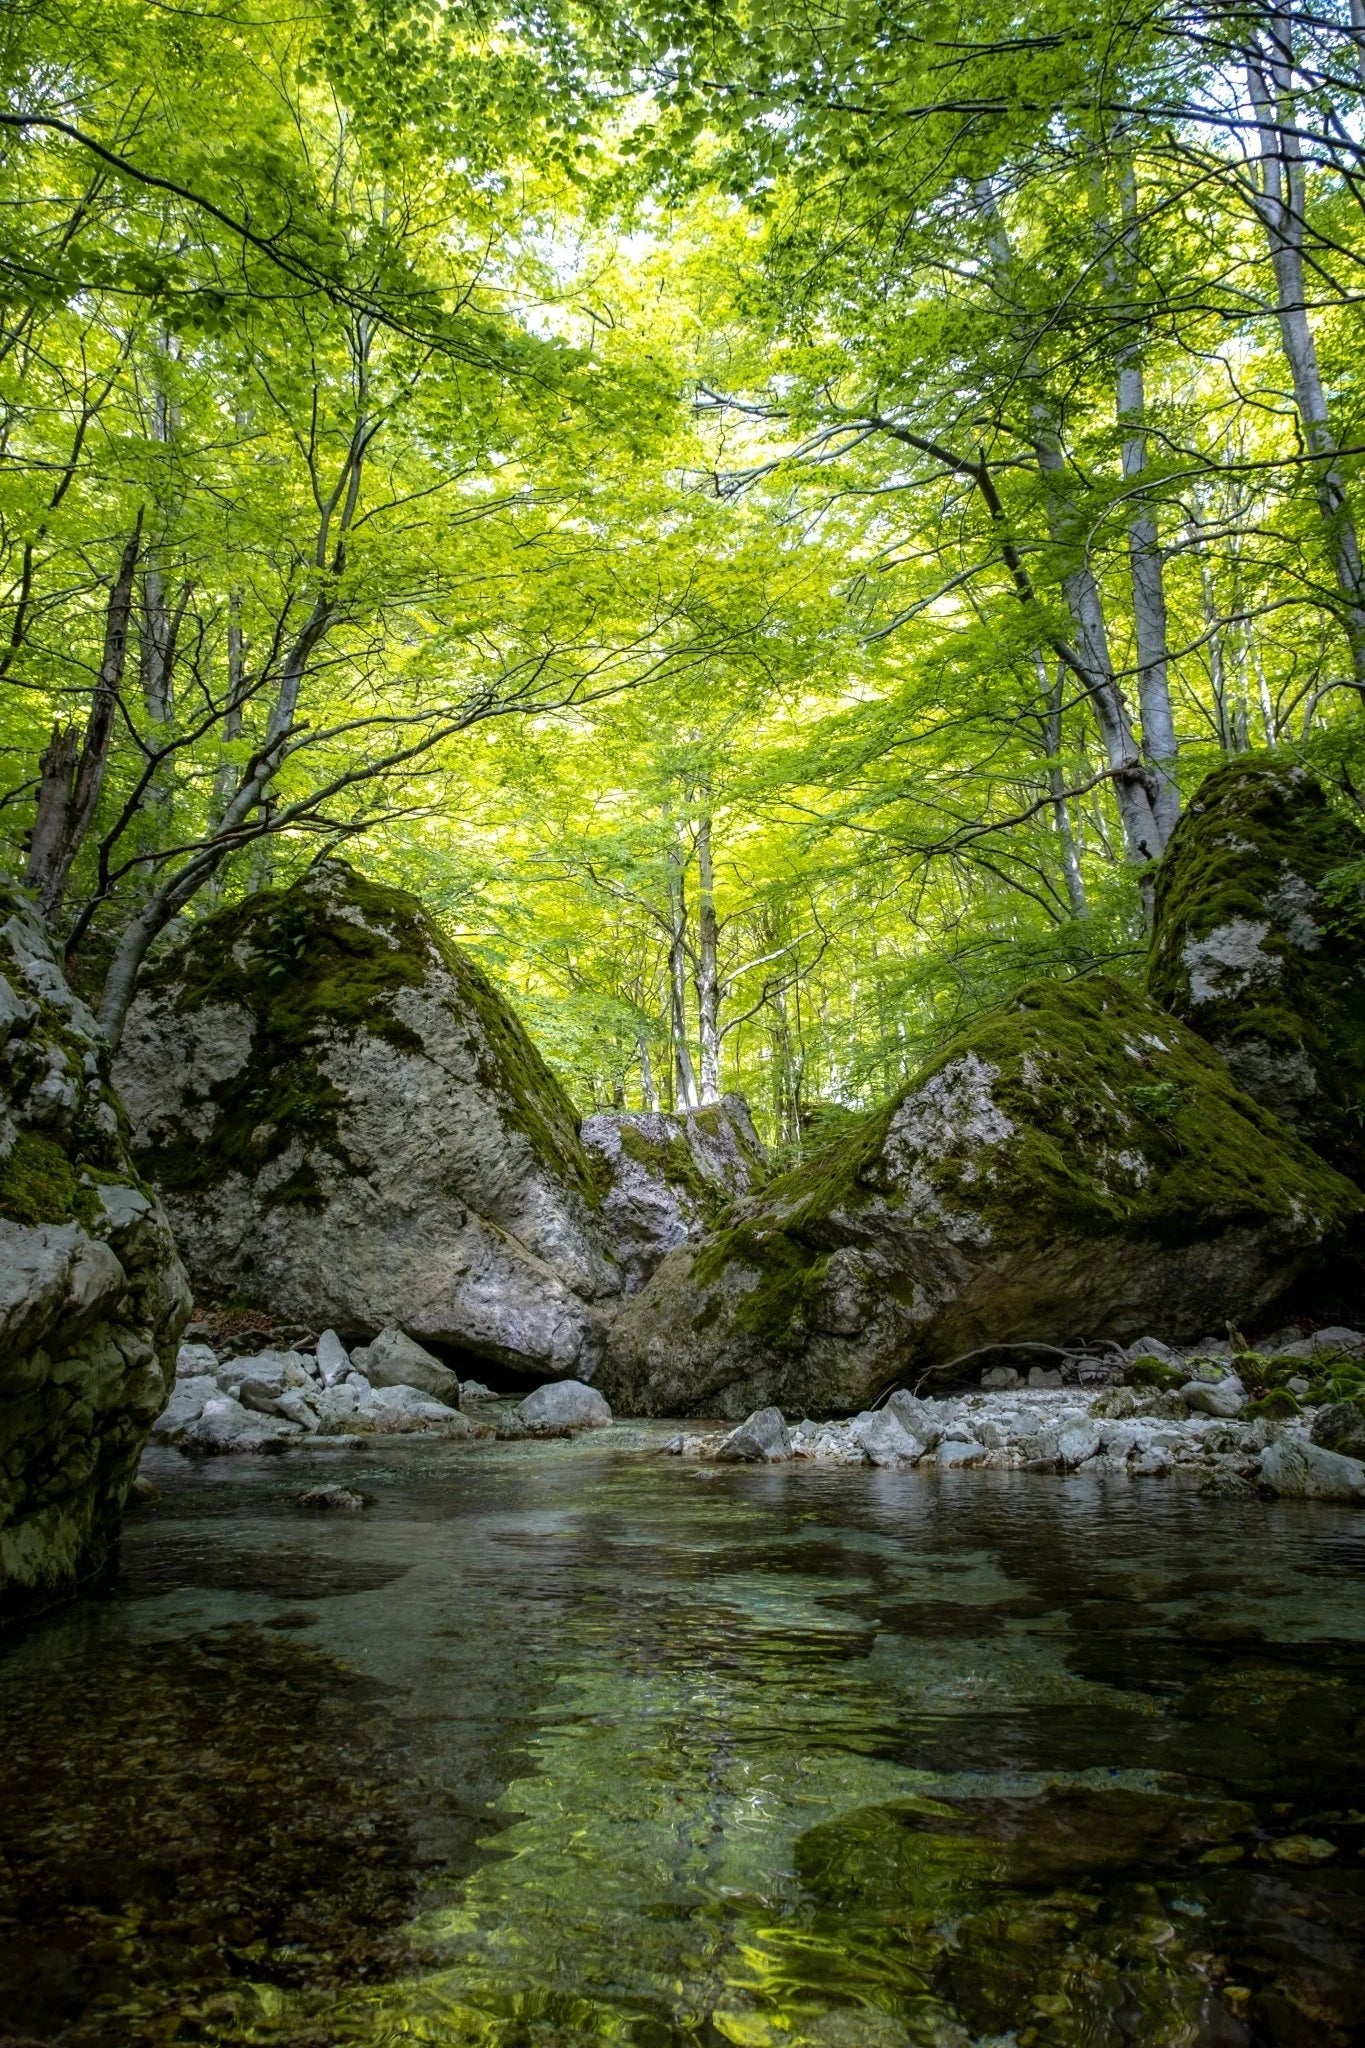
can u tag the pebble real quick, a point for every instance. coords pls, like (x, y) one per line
(342, 1498)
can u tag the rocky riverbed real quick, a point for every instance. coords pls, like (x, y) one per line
(1286, 1419)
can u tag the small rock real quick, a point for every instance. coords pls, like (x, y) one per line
(884, 1438)
(1077, 1443)
(185, 1406)
(191, 1360)
(475, 1390)
(225, 1425)
(1299, 1849)
(999, 1376)
(954, 1452)
(1297, 1469)
(143, 1490)
(563, 1405)
(1149, 1347)
(762, 1439)
(1299, 1385)
(334, 1360)
(395, 1360)
(406, 1411)
(1044, 1376)
(1225, 1397)
(1337, 1338)
(296, 1406)
(922, 1419)
(342, 1498)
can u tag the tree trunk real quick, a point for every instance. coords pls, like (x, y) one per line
(685, 1081)
(1061, 814)
(1280, 203)
(649, 1093)
(1159, 743)
(70, 793)
(708, 980)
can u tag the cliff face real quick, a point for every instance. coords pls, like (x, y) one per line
(92, 1293)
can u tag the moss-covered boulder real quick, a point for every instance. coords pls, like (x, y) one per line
(350, 1127)
(1079, 1166)
(671, 1174)
(92, 1295)
(1259, 946)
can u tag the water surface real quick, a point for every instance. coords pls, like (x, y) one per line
(565, 1743)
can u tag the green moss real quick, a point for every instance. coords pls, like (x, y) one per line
(1123, 1125)
(1153, 1375)
(1279, 1404)
(671, 1159)
(37, 1182)
(1254, 827)
(305, 971)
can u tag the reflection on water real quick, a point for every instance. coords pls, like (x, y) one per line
(556, 1744)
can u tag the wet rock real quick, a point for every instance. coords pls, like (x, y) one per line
(93, 1297)
(1226, 1397)
(395, 1360)
(350, 1126)
(332, 1499)
(224, 1425)
(954, 1452)
(1297, 1469)
(884, 1438)
(671, 1175)
(761, 1439)
(562, 1406)
(1340, 1426)
(404, 1411)
(1079, 1162)
(185, 1406)
(334, 1361)
(1251, 951)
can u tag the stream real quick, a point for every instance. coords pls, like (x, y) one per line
(566, 1742)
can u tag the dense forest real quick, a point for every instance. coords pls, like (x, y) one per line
(757, 514)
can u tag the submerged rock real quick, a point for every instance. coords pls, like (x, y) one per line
(1257, 950)
(93, 1297)
(349, 1125)
(1078, 1166)
(671, 1175)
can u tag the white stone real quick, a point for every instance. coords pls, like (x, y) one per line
(1077, 1443)
(397, 1360)
(185, 1406)
(1225, 1397)
(334, 1360)
(885, 1439)
(954, 1452)
(1297, 1469)
(564, 1405)
(193, 1359)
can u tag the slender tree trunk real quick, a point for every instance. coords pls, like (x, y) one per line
(1159, 743)
(649, 1093)
(685, 1081)
(1061, 812)
(71, 783)
(1280, 203)
(708, 973)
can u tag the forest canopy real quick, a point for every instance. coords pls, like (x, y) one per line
(759, 515)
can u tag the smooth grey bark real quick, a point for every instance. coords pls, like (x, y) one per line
(649, 1091)
(1280, 204)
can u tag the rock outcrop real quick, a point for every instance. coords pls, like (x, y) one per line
(348, 1125)
(92, 1295)
(1079, 1166)
(671, 1175)
(1262, 953)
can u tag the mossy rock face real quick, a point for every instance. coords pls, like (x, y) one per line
(669, 1175)
(350, 1126)
(1074, 1168)
(92, 1295)
(1262, 952)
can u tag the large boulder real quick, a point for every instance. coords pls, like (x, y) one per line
(1257, 950)
(349, 1126)
(670, 1175)
(92, 1295)
(1076, 1167)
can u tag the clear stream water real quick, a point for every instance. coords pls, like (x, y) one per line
(569, 1743)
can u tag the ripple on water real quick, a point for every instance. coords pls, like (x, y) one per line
(585, 1747)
